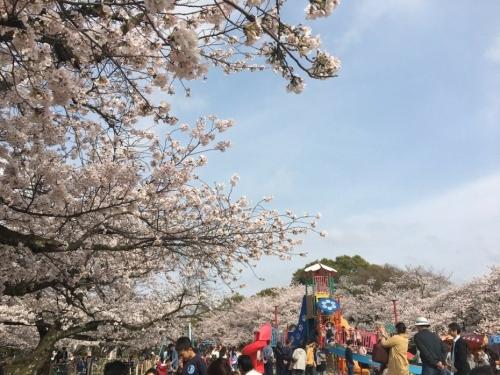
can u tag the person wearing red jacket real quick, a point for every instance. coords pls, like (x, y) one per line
(162, 367)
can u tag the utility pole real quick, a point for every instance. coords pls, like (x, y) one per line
(394, 300)
(276, 316)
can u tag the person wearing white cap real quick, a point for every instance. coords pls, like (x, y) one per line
(432, 349)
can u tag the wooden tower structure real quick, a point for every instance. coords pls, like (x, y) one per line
(320, 289)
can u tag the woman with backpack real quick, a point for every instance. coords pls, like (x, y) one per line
(398, 349)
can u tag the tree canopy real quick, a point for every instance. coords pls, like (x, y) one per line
(355, 268)
(102, 210)
(474, 305)
(268, 292)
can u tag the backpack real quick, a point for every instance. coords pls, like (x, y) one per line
(267, 354)
(380, 354)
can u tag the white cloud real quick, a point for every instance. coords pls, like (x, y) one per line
(492, 53)
(457, 231)
(489, 113)
(370, 12)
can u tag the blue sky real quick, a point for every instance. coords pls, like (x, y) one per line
(400, 153)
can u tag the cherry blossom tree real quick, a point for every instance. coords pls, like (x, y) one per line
(105, 226)
(414, 289)
(419, 292)
(423, 292)
(234, 324)
(362, 304)
(473, 305)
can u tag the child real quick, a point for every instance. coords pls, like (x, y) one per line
(361, 349)
(330, 335)
(320, 362)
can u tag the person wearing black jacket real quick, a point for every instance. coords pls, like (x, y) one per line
(431, 348)
(282, 355)
(287, 358)
(459, 351)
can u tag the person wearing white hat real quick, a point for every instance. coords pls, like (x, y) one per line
(422, 322)
(432, 349)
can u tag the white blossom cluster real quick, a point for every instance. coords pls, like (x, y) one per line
(99, 189)
(234, 324)
(320, 8)
(418, 293)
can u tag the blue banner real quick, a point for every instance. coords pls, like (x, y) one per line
(298, 336)
(494, 340)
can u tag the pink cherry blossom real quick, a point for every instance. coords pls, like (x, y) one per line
(102, 211)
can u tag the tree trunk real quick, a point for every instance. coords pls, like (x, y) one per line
(36, 362)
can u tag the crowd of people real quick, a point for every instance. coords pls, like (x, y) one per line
(184, 359)
(431, 352)
(435, 356)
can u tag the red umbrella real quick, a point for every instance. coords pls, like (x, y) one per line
(474, 341)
